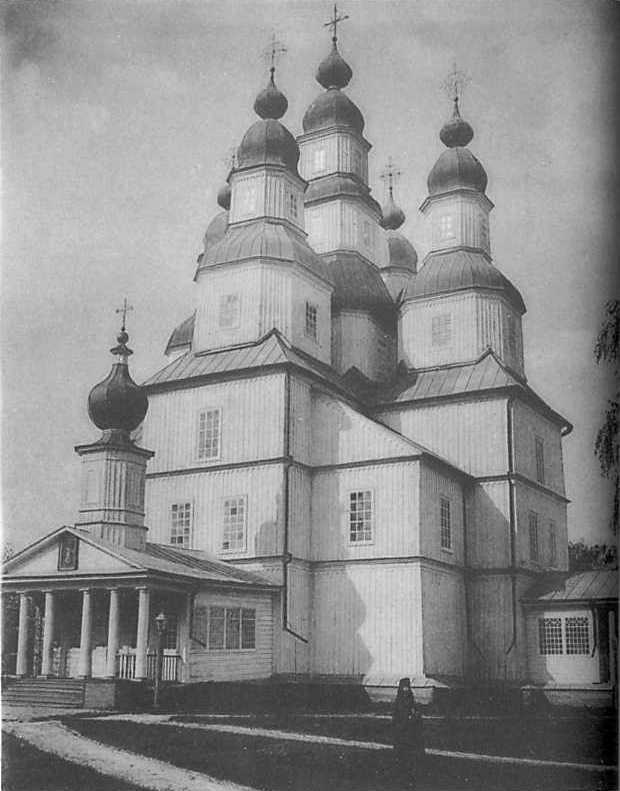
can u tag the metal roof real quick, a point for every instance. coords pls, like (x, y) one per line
(358, 284)
(182, 334)
(594, 585)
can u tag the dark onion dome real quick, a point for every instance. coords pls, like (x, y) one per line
(181, 335)
(216, 229)
(334, 71)
(456, 168)
(358, 284)
(392, 215)
(458, 270)
(402, 254)
(335, 185)
(456, 132)
(271, 102)
(118, 402)
(268, 142)
(223, 196)
(333, 108)
(265, 240)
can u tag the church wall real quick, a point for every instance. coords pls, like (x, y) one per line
(549, 509)
(252, 422)
(395, 505)
(443, 616)
(435, 486)
(359, 340)
(466, 223)
(262, 488)
(471, 434)
(488, 525)
(300, 421)
(376, 629)
(205, 665)
(266, 193)
(333, 152)
(292, 655)
(528, 425)
(343, 224)
(300, 502)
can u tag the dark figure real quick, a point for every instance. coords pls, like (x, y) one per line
(408, 735)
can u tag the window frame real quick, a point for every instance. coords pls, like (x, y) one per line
(446, 227)
(319, 161)
(441, 330)
(187, 505)
(205, 411)
(311, 325)
(533, 536)
(548, 641)
(574, 634)
(237, 316)
(445, 507)
(553, 544)
(245, 617)
(351, 514)
(539, 458)
(239, 498)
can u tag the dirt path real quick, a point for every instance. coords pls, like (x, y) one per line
(148, 773)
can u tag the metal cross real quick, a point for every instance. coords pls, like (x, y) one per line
(272, 52)
(230, 160)
(124, 310)
(333, 23)
(390, 175)
(455, 82)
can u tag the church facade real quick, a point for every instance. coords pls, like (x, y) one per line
(343, 469)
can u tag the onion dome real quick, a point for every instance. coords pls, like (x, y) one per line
(333, 108)
(456, 168)
(334, 71)
(358, 285)
(459, 270)
(393, 215)
(456, 132)
(223, 196)
(271, 102)
(402, 253)
(216, 229)
(117, 402)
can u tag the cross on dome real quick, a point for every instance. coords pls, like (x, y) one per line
(271, 53)
(333, 23)
(124, 310)
(390, 175)
(454, 84)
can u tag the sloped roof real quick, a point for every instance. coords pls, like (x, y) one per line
(595, 585)
(182, 334)
(358, 284)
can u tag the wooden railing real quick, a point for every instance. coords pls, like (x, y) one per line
(127, 665)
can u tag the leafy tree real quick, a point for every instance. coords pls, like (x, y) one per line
(607, 445)
(583, 557)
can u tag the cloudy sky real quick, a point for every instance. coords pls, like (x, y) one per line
(119, 116)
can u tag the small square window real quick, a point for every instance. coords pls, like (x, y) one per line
(233, 535)
(577, 635)
(441, 329)
(229, 311)
(181, 524)
(360, 517)
(445, 523)
(550, 636)
(209, 424)
(533, 535)
(311, 320)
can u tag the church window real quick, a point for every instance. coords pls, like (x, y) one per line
(446, 226)
(247, 203)
(293, 205)
(231, 628)
(550, 636)
(357, 163)
(511, 332)
(180, 524)
(311, 320)
(229, 311)
(209, 421)
(577, 635)
(445, 524)
(533, 535)
(441, 329)
(366, 233)
(319, 160)
(484, 234)
(360, 516)
(539, 447)
(553, 549)
(234, 524)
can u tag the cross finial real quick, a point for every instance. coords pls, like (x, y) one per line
(333, 23)
(455, 83)
(273, 51)
(390, 175)
(230, 160)
(124, 310)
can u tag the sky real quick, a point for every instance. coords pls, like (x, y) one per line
(119, 117)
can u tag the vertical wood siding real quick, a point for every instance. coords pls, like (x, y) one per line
(470, 434)
(338, 147)
(529, 424)
(443, 614)
(206, 491)
(561, 668)
(272, 191)
(252, 422)
(395, 489)
(488, 525)
(300, 502)
(376, 628)
(434, 486)
(300, 421)
(236, 665)
(358, 340)
(338, 224)
(469, 219)
(548, 508)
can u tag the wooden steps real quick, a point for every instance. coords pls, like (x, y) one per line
(67, 692)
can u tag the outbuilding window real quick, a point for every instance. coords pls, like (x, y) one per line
(360, 517)
(577, 635)
(550, 635)
(224, 628)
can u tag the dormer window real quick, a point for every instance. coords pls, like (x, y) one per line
(441, 329)
(319, 160)
(446, 226)
(311, 320)
(229, 311)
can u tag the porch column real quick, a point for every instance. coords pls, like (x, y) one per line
(48, 634)
(113, 625)
(22, 636)
(142, 636)
(86, 634)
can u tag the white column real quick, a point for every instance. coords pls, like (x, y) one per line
(142, 636)
(113, 626)
(22, 636)
(48, 634)
(86, 634)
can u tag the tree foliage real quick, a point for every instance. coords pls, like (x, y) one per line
(582, 557)
(607, 445)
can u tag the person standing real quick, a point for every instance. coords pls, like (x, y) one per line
(408, 737)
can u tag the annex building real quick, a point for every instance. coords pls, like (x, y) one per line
(341, 472)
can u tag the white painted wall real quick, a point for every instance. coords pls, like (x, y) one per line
(435, 485)
(266, 192)
(529, 424)
(488, 525)
(343, 152)
(346, 224)
(561, 668)
(375, 630)
(467, 226)
(443, 617)
(548, 508)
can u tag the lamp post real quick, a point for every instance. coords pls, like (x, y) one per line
(161, 622)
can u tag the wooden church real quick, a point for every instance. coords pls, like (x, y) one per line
(341, 472)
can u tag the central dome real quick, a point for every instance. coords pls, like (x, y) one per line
(333, 108)
(456, 168)
(268, 142)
